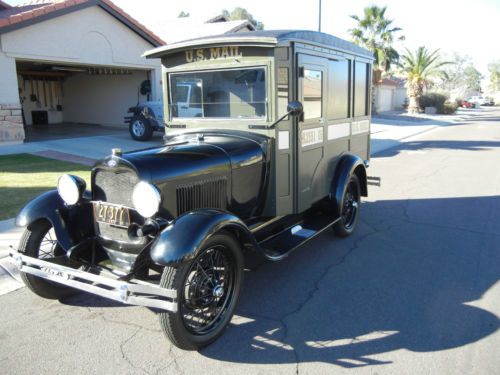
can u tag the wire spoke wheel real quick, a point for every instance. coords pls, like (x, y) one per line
(208, 287)
(39, 241)
(349, 209)
(208, 290)
(350, 205)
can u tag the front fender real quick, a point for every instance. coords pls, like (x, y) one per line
(182, 240)
(71, 223)
(347, 165)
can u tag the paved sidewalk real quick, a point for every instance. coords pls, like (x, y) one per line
(388, 130)
(9, 275)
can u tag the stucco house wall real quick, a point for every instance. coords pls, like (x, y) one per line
(400, 97)
(86, 37)
(11, 121)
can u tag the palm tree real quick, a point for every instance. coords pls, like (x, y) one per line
(376, 33)
(419, 68)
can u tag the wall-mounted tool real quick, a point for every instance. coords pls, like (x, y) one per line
(32, 95)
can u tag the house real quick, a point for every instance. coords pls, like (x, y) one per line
(79, 61)
(71, 61)
(389, 95)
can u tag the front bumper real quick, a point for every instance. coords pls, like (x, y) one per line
(133, 292)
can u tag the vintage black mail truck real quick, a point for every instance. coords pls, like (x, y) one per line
(267, 141)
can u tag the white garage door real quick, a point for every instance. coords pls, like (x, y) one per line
(385, 99)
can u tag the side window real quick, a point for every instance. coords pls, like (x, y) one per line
(338, 89)
(312, 90)
(360, 89)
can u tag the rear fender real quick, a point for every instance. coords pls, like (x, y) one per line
(347, 165)
(182, 240)
(71, 223)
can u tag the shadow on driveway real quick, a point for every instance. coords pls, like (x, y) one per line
(411, 278)
(398, 284)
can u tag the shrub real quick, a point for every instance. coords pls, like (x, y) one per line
(433, 99)
(449, 108)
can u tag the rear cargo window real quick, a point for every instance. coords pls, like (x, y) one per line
(361, 89)
(313, 82)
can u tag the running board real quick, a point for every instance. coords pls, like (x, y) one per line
(283, 243)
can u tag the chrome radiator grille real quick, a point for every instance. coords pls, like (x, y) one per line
(114, 187)
(202, 194)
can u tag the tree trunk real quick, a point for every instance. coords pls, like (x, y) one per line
(414, 91)
(414, 104)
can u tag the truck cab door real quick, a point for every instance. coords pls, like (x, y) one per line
(310, 131)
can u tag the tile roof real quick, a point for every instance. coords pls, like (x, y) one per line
(4, 5)
(39, 10)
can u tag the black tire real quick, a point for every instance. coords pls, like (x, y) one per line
(350, 208)
(36, 236)
(140, 129)
(200, 277)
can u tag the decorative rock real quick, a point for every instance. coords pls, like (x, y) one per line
(10, 106)
(14, 119)
(11, 132)
(430, 110)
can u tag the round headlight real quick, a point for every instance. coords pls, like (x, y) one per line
(146, 199)
(70, 188)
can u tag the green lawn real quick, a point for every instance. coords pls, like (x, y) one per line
(24, 176)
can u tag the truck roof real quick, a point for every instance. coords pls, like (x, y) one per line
(263, 38)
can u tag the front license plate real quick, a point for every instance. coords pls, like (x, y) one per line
(112, 214)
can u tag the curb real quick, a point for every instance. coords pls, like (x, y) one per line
(399, 141)
(10, 279)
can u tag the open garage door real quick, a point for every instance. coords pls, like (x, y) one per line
(62, 95)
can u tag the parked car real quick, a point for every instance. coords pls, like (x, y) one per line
(481, 100)
(167, 227)
(489, 101)
(467, 103)
(145, 119)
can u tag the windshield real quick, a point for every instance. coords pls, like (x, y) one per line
(235, 93)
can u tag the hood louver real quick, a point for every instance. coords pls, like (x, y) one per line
(210, 193)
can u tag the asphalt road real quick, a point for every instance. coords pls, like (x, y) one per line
(415, 290)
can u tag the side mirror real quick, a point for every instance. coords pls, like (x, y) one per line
(295, 108)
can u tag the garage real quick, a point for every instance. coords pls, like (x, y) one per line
(385, 99)
(69, 63)
(385, 95)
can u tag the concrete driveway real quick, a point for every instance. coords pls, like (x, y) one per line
(82, 145)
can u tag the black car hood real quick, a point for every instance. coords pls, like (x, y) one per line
(192, 155)
(238, 162)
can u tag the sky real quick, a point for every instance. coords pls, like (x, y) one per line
(467, 27)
